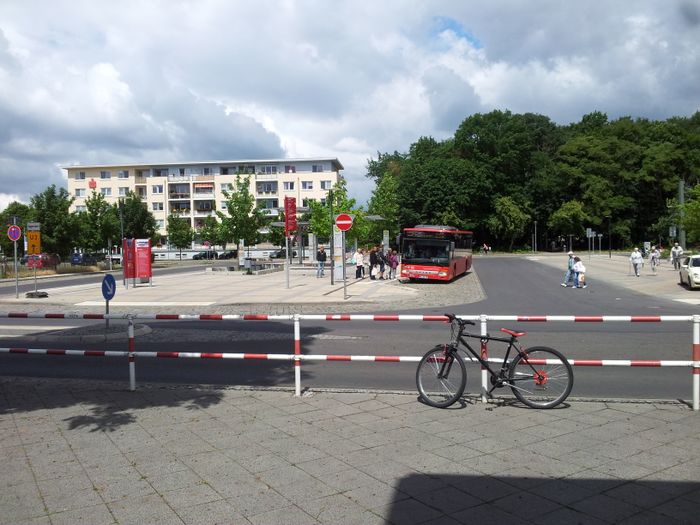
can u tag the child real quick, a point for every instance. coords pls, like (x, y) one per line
(579, 273)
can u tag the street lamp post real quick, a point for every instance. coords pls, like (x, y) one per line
(121, 223)
(609, 241)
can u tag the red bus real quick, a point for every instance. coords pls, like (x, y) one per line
(435, 252)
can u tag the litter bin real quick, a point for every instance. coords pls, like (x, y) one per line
(248, 265)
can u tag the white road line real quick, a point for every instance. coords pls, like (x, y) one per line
(143, 303)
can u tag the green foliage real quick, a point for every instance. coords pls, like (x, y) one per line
(210, 231)
(321, 220)
(24, 214)
(99, 225)
(139, 222)
(508, 220)
(569, 219)
(241, 219)
(180, 233)
(59, 228)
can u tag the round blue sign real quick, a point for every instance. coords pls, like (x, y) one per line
(14, 232)
(109, 287)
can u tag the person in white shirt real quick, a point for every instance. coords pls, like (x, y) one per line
(676, 253)
(579, 274)
(637, 261)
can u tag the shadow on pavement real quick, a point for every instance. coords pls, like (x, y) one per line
(446, 498)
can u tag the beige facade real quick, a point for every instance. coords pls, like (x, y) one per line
(195, 189)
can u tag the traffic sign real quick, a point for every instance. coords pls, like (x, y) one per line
(14, 232)
(343, 221)
(33, 242)
(109, 287)
(33, 226)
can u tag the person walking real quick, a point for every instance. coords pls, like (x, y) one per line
(373, 264)
(321, 257)
(393, 264)
(579, 274)
(654, 258)
(359, 263)
(637, 261)
(676, 254)
(569, 275)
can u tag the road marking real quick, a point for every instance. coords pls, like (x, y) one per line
(689, 301)
(44, 327)
(334, 337)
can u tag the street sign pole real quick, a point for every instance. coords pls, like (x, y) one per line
(345, 279)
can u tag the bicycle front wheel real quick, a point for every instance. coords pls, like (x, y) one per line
(541, 377)
(441, 377)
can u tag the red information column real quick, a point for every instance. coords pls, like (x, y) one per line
(143, 259)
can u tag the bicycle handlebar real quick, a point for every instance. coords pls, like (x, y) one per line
(462, 322)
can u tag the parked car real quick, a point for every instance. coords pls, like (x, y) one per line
(281, 254)
(231, 254)
(117, 258)
(209, 254)
(690, 271)
(45, 260)
(86, 259)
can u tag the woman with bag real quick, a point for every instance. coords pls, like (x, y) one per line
(359, 263)
(373, 264)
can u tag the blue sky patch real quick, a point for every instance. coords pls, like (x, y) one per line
(443, 23)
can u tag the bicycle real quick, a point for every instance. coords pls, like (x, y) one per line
(540, 377)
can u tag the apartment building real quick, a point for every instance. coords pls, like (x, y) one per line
(195, 189)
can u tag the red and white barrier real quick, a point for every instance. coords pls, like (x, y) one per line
(297, 357)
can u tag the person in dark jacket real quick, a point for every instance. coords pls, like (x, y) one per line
(373, 264)
(320, 261)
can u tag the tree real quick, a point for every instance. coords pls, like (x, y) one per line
(569, 219)
(384, 202)
(321, 222)
(210, 231)
(99, 224)
(139, 222)
(508, 220)
(23, 213)
(180, 233)
(241, 219)
(59, 228)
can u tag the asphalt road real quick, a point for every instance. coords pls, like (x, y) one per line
(514, 286)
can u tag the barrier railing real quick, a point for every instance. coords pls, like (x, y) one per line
(297, 357)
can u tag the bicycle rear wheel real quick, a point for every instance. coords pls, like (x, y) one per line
(541, 377)
(441, 377)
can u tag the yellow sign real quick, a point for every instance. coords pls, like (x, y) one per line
(33, 242)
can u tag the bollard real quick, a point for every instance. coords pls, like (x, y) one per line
(696, 362)
(132, 356)
(484, 355)
(297, 360)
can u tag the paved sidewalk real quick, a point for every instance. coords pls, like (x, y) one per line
(94, 453)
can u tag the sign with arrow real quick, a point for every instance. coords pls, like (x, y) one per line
(109, 287)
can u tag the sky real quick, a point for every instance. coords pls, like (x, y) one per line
(104, 82)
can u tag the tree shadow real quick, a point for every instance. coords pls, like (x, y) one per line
(448, 498)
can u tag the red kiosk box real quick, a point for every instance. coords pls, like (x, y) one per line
(136, 258)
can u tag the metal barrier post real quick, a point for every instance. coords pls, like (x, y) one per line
(484, 355)
(696, 362)
(132, 356)
(297, 360)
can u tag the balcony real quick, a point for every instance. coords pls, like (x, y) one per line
(266, 176)
(203, 213)
(174, 195)
(140, 180)
(203, 178)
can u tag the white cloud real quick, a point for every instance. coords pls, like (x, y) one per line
(100, 82)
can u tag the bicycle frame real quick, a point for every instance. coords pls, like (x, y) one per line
(511, 341)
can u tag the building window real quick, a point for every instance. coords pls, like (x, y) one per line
(326, 184)
(105, 174)
(267, 187)
(182, 171)
(157, 206)
(224, 205)
(268, 169)
(160, 223)
(123, 174)
(80, 209)
(80, 192)
(157, 189)
(317, 168)
(307, 185)
(305, 202)
(123, 190)
(207, 171)
(106, 192)
(289, 186)
(80, 175)
(226, 186)
(290, 169)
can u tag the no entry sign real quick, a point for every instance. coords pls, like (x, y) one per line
(343, 222)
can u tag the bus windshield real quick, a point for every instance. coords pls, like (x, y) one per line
(425, 251)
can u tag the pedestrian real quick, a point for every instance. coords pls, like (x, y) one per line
(373, 264)
(579, 274)
(320, 261)
(485, 248)
(381, 257)
(569, 275)
(676, 254)
(359, 263)
(637, 261)
(393, 264)
(654, 258)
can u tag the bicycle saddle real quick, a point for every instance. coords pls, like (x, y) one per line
(513, 332)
